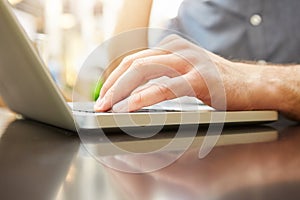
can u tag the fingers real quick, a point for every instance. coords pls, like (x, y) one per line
(173, 58)
(120, 90)
(124, 65)
(150, 83)
(141, 71)
(168, 45)
(149, 96)
(155, 93)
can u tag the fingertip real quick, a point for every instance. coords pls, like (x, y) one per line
(101, 105)
(126, 105)
(100, 108)
(122, 106)
(97, 107)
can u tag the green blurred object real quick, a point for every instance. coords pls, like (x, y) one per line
(97, 89)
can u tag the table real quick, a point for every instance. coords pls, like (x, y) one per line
(40, 162)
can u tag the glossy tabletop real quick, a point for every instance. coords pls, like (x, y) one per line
(40, 162)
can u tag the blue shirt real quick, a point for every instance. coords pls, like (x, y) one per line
(243, 29)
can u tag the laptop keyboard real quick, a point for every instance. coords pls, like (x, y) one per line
(88, 107)
(182, 104)
(83, 106)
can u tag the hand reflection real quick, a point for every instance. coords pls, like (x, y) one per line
(227, 169)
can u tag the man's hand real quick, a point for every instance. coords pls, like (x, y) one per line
(173, 58)
(192, 71)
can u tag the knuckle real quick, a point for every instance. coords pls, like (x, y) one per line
(164, 91)
(128, 59)
(169, 38)
(184, 45)
(137, 67)
(139, 62)
(137, 100)
(173, 36)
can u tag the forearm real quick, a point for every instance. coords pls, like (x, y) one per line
(133, 14)
(277, 87)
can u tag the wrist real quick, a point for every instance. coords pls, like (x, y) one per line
(264, 85)
(271, 88)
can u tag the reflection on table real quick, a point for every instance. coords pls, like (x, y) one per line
(250, 162)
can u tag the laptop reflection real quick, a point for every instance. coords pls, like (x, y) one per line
(34, 160)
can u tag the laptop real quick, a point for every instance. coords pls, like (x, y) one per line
(27, 88)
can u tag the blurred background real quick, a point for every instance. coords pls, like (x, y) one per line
(65, 32)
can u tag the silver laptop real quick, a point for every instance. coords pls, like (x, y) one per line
(28, 89)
